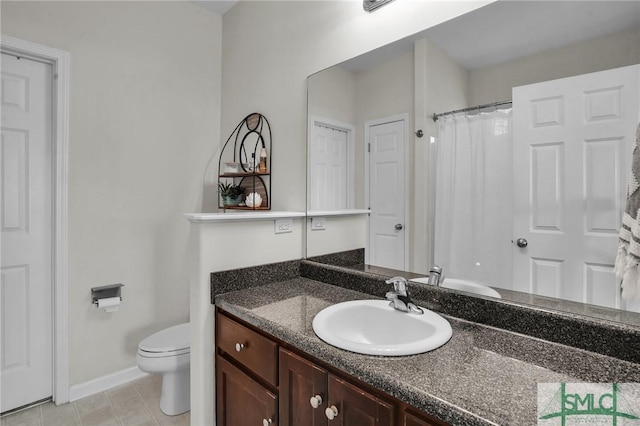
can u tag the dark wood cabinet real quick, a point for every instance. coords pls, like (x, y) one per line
(241, 401)
(310, 396)
(252, 350)
(300, 381)
(258, 381)
(410, 418)
(354, 407)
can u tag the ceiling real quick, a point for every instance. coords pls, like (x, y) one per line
(503, 30)
(509, 29)
(512, 29)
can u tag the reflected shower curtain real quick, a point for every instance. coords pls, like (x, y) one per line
(473, 197)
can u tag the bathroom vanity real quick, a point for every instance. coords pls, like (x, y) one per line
(269, 381)
(271, 367)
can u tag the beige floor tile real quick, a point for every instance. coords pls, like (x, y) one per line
(60, 415)
(149, 388)
(101, 416)
(30, 417)
(132, 410)
(164, 420)
(150, 380)
(137, 418)
(121, 393)
(181, 420)
(92, 403)
(126, 400)
(133, 404)
(155, 411)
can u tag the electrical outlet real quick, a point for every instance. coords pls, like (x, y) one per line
(318, 223)
(284, 226)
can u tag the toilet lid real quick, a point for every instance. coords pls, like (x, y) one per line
(170, 339)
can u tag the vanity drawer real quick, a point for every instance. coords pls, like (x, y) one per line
(254, 351)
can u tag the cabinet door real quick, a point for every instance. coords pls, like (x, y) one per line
(241, 401)
(301, 380)
(411, 419)
(355, 407)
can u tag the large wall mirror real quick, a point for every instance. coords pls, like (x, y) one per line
(522, 191)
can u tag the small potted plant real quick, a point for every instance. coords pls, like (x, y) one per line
(231, 193)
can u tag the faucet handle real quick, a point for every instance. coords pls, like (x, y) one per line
(435, 269)
(435, 275)
(399, 284)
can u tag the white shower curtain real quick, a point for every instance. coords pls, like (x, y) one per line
(473, 197)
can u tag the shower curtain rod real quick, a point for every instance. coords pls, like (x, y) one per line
(474, 108)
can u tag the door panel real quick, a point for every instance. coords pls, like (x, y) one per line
(26, 223)
(356, 407)
(573, 140)
(387, 195)
(241, 401)
(602, 156)
(411, 419)
(329, 168)
(300, 380)
(547, 182)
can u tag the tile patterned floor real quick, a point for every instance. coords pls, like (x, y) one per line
(133, 404)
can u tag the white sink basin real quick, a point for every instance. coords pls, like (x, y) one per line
(463, 285)
(372, 327)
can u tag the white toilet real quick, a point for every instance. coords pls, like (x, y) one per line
(168, 352)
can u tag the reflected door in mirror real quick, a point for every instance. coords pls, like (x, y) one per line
(573, 140)
(330, 166)
(387, 145)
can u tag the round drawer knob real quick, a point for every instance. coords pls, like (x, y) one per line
(331, 412)
(239, 347)
(266, 422)
(316, 401)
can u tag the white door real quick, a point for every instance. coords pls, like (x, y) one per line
(387, 181)
(573, 140)
(328, 161)
(26, 209)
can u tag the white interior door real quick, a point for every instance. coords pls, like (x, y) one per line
(387, 227)
(26, 209)
(329, 164)
(573, 140)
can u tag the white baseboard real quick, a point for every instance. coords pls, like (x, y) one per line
(104, 383)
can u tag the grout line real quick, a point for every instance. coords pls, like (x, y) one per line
(144, 402)
(113, 410)
(75, 406)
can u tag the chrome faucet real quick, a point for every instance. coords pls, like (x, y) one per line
(400, 298)
(435, 275)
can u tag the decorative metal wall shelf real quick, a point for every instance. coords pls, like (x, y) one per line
(240, 165)
(243, 174)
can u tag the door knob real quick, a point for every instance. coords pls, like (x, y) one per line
(522, 242)
(266, 422)
(331, 412)
(399, 226)
(316, 401)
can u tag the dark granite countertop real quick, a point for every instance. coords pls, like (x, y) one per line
(483, 375)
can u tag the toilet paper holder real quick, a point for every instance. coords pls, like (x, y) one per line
(105, 292)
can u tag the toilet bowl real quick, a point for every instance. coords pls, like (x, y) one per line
(168, 352)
